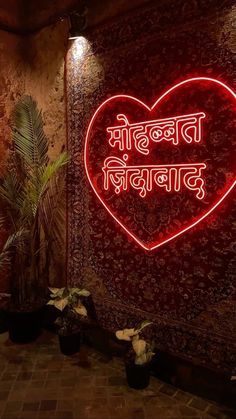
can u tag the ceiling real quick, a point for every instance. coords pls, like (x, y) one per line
(24, 16)
(27, 16)
(9, 12)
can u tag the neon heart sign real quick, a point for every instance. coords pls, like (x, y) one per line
(159, 171)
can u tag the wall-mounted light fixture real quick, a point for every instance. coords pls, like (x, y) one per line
(78, 22)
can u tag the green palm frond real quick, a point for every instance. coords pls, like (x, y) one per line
(37, 186)
(28, 134)
(53, 167)
(10, 191)
(30, 201)
(51, 214)
(2, 221)
(15, 240)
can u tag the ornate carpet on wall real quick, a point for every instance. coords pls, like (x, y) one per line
(186, 287)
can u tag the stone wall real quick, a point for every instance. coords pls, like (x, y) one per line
(11, 87)
(44, 81)
(34, 66)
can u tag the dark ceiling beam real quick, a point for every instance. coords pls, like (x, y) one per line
(32, 16)
(37, 15)
(27, 32)
(10, 28)
(28, 25)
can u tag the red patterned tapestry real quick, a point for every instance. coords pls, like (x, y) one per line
(187, 286)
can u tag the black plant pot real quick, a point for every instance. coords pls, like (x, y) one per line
(3, 322)
(24, 327)
(138, 376)
(70, 344)
(49, 314)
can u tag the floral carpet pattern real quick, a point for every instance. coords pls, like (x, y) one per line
(187, 287)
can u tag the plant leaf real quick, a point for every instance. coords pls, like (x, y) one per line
(51, 303)
(61, 303)
(139, 346)
(126, 334)
(51, 211)
(54, 290)
(80, 309)
(57, 292)
(80, 292)
(11, 191)
(28, 134)
(144, 324)
(141, 359)
(16, 240)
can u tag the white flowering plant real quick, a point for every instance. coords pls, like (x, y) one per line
(69, 301)
(141, 351)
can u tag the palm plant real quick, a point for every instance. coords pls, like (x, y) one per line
(32, 192)
(15, 240)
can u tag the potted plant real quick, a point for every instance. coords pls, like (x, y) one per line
(32, 194)
(138, 356)
(69, 301)
(7, 248)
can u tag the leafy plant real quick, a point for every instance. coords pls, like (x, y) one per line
(32, 193)
(14, 241)
(69, 302)
(141, 351)
(7, 250)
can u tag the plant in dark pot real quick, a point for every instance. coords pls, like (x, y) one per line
(31, 193)
(7, 247)
(69, 301)
(138, 356)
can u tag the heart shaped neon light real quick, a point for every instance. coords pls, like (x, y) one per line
(95, 124)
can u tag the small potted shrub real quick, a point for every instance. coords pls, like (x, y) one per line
(72, 310)
(138, 356)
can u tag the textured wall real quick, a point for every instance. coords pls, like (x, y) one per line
(44, 80)
(11, 84)
(35, 66)
(11, 87)
(188, 286)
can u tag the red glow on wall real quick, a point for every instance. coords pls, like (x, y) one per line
(134, 140)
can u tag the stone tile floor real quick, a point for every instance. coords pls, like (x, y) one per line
(37, 381)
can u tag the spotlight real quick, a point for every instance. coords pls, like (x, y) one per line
(80, 47)
(78, 22)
